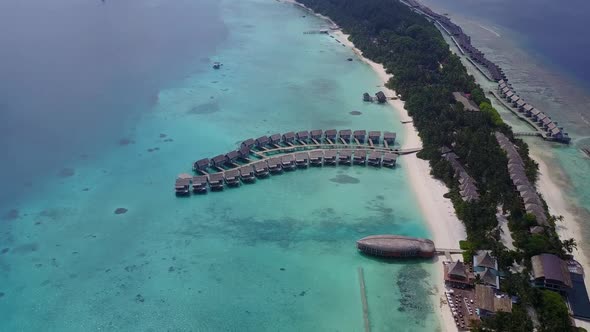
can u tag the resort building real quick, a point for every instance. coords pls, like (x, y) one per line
(457, 275)
(380, 97)
(467, 187)
(396, 246)
(551, 272)
(468, 104)
(485, 268)
(531, 200)
(488, 302)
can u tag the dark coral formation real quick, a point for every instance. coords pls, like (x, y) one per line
(66, 172)
(345, 179)
(121, 211)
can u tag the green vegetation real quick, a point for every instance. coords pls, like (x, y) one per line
(553, 313)
(425, 75)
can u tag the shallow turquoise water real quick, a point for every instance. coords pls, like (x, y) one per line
(276, 256)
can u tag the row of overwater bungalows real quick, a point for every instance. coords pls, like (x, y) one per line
(273, 165)
(528, 110)
(462, 40)
(527, 191)
(246, 163)
(291, 139)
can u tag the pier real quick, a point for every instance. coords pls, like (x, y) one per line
(278, 153)
(367, 324)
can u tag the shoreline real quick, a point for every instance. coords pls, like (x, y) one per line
(438, 212)
(570, 227)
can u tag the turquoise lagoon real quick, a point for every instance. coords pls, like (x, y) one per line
(278, 255)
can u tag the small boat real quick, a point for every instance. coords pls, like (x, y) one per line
(217, 65)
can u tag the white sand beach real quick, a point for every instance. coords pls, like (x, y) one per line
(446, 229)
(550, 188)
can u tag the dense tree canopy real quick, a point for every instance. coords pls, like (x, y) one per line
(425, 73)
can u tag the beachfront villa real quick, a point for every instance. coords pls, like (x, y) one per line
(467, 187)
(528, 193)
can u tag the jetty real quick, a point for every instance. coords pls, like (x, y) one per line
(272, 155)
(506, 95)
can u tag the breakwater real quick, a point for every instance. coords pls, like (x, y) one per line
(547, 129)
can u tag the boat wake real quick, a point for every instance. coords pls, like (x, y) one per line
(490, 30)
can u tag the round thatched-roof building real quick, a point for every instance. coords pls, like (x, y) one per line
(396, 246)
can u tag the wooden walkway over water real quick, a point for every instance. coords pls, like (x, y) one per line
(266, 155)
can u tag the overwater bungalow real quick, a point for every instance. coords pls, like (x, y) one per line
(288, 162)
(274, 165)
(216, 181)
(248, 143)
(509, 95)
(389, 159)
(504, 91)
(514, 99)
(261, 169)
(344, 157)
(330, 157)
(201, 165)
(389, 137)
(534, 114)
(520, 104)
(218, 161)
(232, 177)
(315, 157)
(247, 174)
(374, 158)
(550, 126)
(182, 186)
(360, 135)
(360, 157)
(231, 156)
(557, 133)
(199, 184)
(289, 137)
(301, 159)
(275, 139)
(375, 137)
(381, 98)
(331, 134)
(262, 141)
(345, 134)
(303, 136)
(316, 135)
(546, 122)
(396, 246)
(244, 152)
(541, 116)
(527, 108)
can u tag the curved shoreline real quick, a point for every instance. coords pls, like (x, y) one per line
(439, 214)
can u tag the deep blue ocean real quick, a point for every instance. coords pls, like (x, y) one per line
(555, 31)
(76, 74)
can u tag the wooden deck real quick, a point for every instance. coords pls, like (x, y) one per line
(317, 150)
